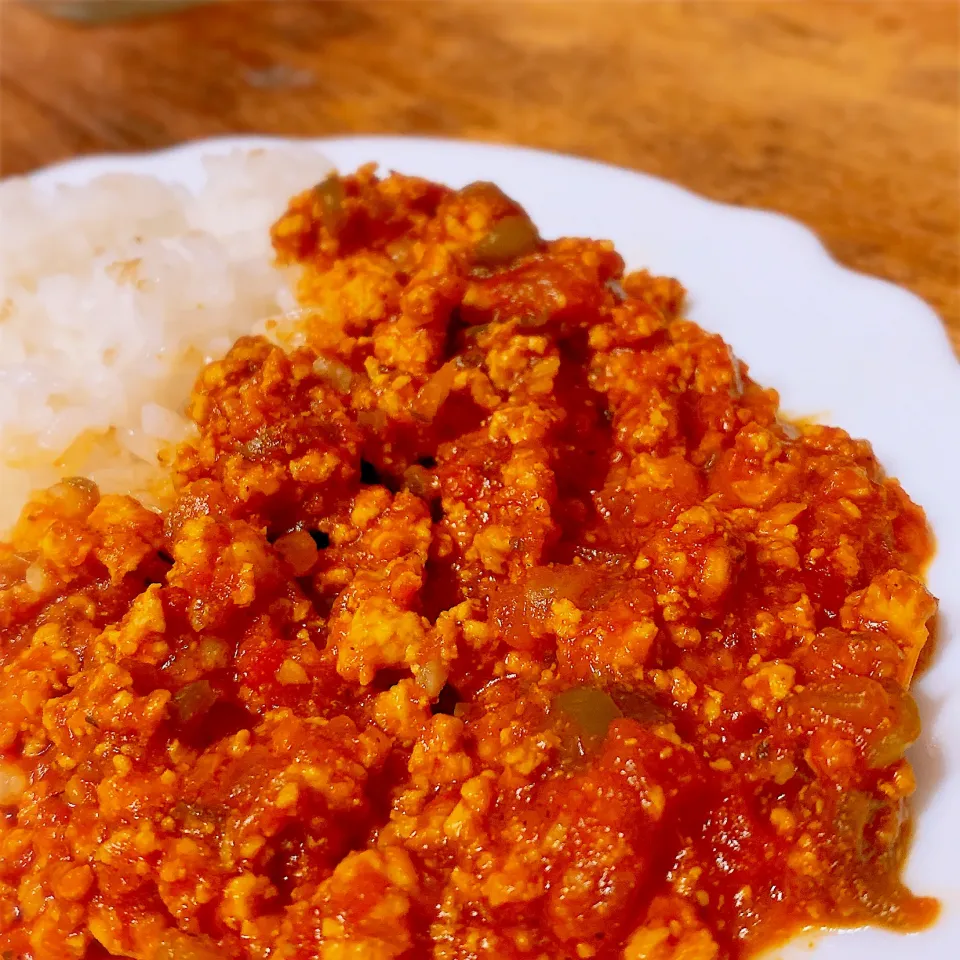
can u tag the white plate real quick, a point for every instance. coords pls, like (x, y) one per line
(839, 346)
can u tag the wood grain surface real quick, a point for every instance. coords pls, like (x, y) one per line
(843, 115)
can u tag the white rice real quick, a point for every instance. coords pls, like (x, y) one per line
(112, 295)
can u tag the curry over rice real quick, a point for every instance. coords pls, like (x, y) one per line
(500, 617)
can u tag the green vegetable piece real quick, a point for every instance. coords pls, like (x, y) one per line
(590, 710)
(330, 194)
(508, 239)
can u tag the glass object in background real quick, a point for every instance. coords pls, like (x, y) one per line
(103, 11)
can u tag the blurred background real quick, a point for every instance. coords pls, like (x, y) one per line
(842, 114)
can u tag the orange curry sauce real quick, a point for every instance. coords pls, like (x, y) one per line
(500, 618)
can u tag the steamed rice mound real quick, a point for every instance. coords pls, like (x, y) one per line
(112, 297)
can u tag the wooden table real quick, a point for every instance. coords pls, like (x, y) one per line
(843, 115)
